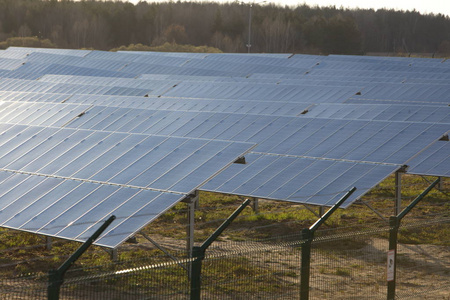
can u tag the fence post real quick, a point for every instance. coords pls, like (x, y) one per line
(198, 254)
(393, 238)
(54, 283)
(307, 238)
(394, 224)
(306, 263)
(56, 277)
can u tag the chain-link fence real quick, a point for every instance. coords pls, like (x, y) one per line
(351, 265)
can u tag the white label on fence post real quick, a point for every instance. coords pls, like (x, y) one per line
(390, 265)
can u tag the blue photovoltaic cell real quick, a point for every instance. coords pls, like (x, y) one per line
(276, 60)
(49, 58)
(366, 73)
(33, 97)
(297, 179)
(262, 92)
(388, 102)
(142, 68)
(39, 113)
(157, 86)
(20, 85)
(71, 52)
(164, 55)
(241, 67)
(73, 209)
(10, 64)
(274, 108)
(383, 112)
(12, 54)
(434, 160)
(22, 75)
(408, 92)
(34, 67)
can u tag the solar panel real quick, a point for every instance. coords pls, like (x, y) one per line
(61, 182)
(33, 97)
(385, 112)
(386, 74)
(39, 114)
(159, 86)
(274, 60)
(71, 52)
(10, 64)
(273, 108)
(12, 54)
(434, 160)
(262, 92)
(19, 85)
(73, 209)
(61, 69)
(298, 179)
(165, 54)
(408, 92)
(144, 161)
(144, 68)
(375, 141)
(242, 67)
(21, 75)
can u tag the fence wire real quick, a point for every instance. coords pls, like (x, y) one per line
(344, 265)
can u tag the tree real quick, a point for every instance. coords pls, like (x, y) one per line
(342, 36)
(175, 34)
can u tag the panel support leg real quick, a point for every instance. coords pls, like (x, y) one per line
(321, 210)
(48, 243)
(192, 204)
(255, 203)
(398, 193)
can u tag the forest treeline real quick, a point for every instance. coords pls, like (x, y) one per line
(274, 29)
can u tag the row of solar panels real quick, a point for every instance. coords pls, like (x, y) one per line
(178, 126)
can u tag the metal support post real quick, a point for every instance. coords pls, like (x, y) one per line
(398, 193)
(198, 252)
(114, 255)
(394, 224)
(56, 277)
(192, 203)
(255, 205)
(48, 243)
(307, 238)
(321, 210)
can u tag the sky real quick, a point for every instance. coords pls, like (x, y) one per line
(423, 6)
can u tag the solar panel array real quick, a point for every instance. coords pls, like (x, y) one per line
(86, 134)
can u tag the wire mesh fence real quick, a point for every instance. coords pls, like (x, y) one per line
(423, 270)
(344, 265)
